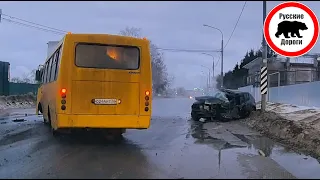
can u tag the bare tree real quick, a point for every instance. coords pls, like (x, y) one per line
(27, 78)
(16, 80)
(160, 80)
(132, 32)
(181, 91)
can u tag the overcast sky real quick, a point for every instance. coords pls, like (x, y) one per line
(167, 24)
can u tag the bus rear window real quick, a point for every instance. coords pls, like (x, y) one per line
(107, 57)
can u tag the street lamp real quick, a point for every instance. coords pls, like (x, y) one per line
(212, 63)
(221, 51)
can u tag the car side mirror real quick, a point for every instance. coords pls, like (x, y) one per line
(38, 76)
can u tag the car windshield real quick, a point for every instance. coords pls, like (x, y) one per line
(220, 95)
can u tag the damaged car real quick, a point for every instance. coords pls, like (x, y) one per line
(223, 105)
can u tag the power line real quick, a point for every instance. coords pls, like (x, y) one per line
(244, 5)
(12, 17)
(61, 32)
(187, 50)
(30, 26)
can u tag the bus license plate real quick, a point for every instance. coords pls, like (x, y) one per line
(105, 101)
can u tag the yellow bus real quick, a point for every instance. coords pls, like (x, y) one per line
(96, 81)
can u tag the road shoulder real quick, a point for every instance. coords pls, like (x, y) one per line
(294, 126)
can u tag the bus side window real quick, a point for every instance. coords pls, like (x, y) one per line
(58, 57)
(49, 69)
(42, 74)
(53, 67)
(44, 77)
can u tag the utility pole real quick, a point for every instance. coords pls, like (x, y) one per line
(221, 51)
(222, 61)
(209, 79)
(212, 69)
(0, 14)
(264, 60)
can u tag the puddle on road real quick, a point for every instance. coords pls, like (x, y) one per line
(16, 113)
(18, 120)
(230, 144)
(17, 116)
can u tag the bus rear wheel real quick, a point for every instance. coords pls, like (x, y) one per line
(40, 110)
(53, 131)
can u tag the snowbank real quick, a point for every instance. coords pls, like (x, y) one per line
(17, 101)
(294, 125)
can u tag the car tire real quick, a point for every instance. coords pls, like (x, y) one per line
(246, 114)
(224, 119)
(195, 116)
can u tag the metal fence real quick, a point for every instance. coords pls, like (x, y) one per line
(22, 88)
(284, 78)
(4, 78)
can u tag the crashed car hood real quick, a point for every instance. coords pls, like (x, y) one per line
(210, 99)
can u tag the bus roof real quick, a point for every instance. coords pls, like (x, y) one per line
(105, 35)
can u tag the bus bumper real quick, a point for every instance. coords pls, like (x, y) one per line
(102, 121)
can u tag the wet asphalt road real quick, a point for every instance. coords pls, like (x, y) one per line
(174, 147)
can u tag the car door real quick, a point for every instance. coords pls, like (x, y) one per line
(248, 103)
(242, 102)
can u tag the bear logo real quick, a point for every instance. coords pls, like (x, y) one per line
(292, 27)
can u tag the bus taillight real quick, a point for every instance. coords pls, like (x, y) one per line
(63, 92)
(147, 93)
(147, 101)
(63, 96)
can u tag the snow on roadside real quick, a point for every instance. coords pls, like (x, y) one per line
(294, 113)
(296, 126)
(17, 101)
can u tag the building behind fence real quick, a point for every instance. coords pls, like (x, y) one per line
(290, 82)
(283, 72)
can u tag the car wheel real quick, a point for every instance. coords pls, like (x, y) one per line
(225, 117)
(254, 108)
(195, 116)
(247, 114)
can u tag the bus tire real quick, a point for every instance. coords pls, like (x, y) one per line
(45, 121)
(53, 131)
(40, 108)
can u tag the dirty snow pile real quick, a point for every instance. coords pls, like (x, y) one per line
(17, 101)
(295, 113)
(297, 126)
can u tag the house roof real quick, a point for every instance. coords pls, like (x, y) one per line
(302, 65)
(258, 60)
